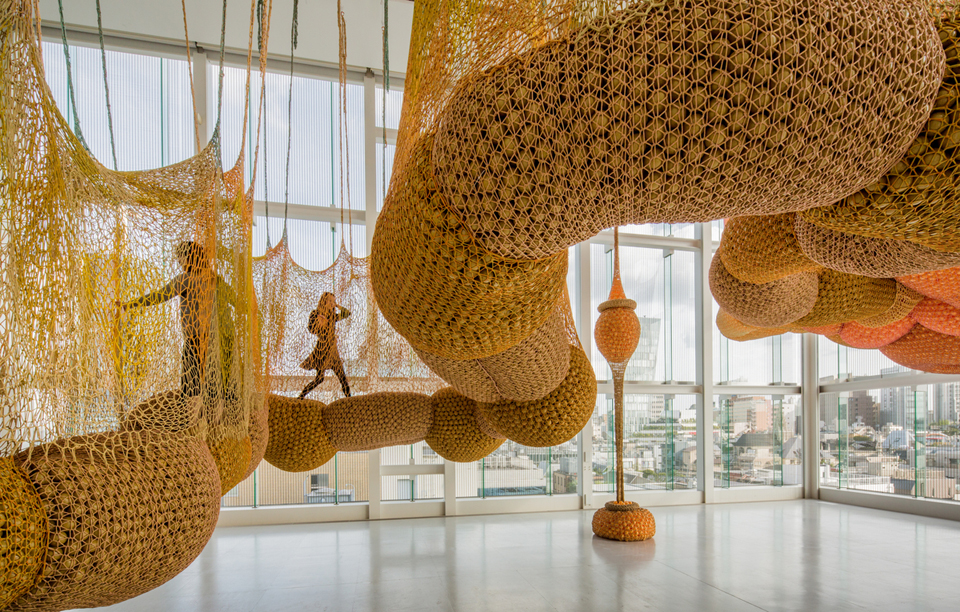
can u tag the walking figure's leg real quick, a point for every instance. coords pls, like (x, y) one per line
(342, 375)
(313, 384)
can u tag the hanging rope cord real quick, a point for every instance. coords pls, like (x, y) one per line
(70, 92)
(106, 86)
(386, 90)
(342, 130)
(286, 191)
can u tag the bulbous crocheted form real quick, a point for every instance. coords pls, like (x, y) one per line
(377, 420)
(647, 115)
(440, 289)
(617, 332)
(624, 521)
(847, 297)
(233, 457)
(772, 304)
(943, 285)
(917, 199)
(762, 249)
(126, 512)
(455, 434)
(259, 433)
(525, 372)
(861, 337)
(904, 302)
(927, 350)
(554, 419)
(733, 329)
(23, 533)
(937, 316)
(873, 257)
(297, 442)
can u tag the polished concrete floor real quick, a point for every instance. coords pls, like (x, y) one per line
(799, 555)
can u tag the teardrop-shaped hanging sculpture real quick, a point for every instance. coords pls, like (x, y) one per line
(617, 335)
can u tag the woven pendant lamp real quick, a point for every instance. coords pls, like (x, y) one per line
(617, 335)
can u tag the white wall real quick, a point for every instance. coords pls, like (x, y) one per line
(318, 39)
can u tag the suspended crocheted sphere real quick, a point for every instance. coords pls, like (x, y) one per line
(297, 442)
(455, 434)
(617, 332)
(127, 512)
(554, 419)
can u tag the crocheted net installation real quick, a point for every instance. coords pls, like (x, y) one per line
(109, 385)
(674, 111)
(918, 199)
(373, 355)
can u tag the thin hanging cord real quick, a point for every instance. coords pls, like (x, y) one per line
(106, 87)
(344, 144)
(286, 191)
(193, 92)
(263, 114)
(216, 130)
(70, 93)
(386, 90)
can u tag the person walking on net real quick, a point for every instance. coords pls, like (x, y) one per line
(201, 291)
(325, 356)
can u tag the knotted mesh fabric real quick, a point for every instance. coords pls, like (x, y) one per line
(927, 350)
(373, 356)
(903, 303)
(439, 288)
(847, 297)
(554, 419)
(526, 372)
(761, 249)
(298, 442)
(937, 316)
(733, 329)
(772, 304)
(917, 200)
(684, 110)
(943, 285)
(874, 257)
(455, 433)
(24, 531)
(862, 337)
(114, 395)
(126, 513)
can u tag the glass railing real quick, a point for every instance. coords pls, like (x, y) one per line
(894, 440)
(757, 440)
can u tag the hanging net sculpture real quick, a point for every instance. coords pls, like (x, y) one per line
(123, 415)
(617, 335)
(888, 253)
(531, 125)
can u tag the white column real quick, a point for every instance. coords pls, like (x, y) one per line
(811, 417)
(704, 335)
(449, 488)
(585, 443)
(373, 486)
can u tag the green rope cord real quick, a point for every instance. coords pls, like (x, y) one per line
(293, 47)
(106, 87)
(70, 95)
